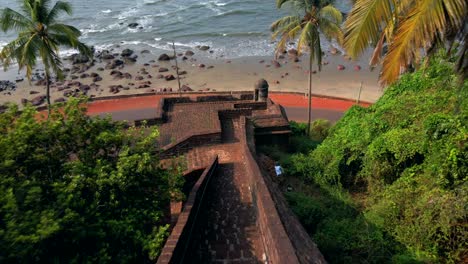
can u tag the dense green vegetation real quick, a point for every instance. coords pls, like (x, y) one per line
(389, 183)
(75, 189)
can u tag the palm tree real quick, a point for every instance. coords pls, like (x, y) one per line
(39, 35)
(411, 28)
(316, 19)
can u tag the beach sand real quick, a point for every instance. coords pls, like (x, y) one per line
(219, 74)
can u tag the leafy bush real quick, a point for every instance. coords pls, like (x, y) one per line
(406, 158)
(75, 189)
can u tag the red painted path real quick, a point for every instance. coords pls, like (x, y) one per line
(285, 99)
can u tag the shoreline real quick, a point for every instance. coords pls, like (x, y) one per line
(203, 74)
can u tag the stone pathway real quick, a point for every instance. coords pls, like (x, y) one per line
(229, 233)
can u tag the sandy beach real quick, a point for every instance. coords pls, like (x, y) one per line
(200, 73)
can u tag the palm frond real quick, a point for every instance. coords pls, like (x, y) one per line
(456, 10)
(364, 23)
(418, 30)
(305, 39)
(279, 3)
(58, 8)
(331, 13)
(282, 23)
(331, 30)
(10, 19)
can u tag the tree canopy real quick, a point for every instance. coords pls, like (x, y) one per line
(75, 189)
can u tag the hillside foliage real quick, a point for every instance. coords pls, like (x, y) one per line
(392, 177)
(75, 189)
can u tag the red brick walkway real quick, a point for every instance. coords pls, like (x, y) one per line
(229, 234)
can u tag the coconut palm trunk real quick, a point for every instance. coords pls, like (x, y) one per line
(47, 77)
(310, 95)
(306, 29)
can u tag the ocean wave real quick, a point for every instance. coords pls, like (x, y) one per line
(106, 11)
(232, 34)
(3, 44)
(236, 12)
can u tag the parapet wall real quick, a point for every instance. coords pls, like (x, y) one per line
(179, 241)
(285, 239)
(278, 247)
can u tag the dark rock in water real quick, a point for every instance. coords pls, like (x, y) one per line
(19, 80)
(204, 48)
(133, 25)
(38, 100)
(127, 53)
(145, 51)
(164, 57)
(162, 69)
(152, 61)
(169, 77)
(184, 58)
(7, 86)
(59, 100)
(189, 53)
(108, 57)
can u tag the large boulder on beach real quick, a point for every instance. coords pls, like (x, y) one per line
(334, 51)
(189, 53)
(38, 100)
(186, 88)
(276, 64)
(164, 57)
(293, 52)
(204, 48)
(79, 59)
(126, 53)
(169, 77)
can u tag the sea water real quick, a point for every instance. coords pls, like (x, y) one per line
(232, 28)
